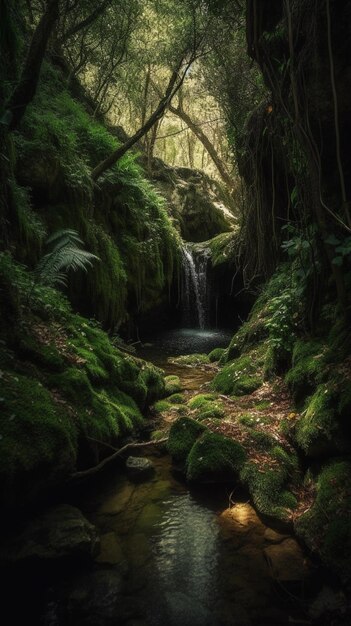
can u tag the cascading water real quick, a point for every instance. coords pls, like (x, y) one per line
(195, 288)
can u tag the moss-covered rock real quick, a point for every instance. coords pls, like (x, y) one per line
(306, 368)
(325, 527)
(240, 377)
(318, 430)
(63, 384)
(206, 406)
(268, 483)
(201, 400)
(172, 385)
(216, 354)
(176, 398)
(214, 457)
(182, 436)
(191, 359)
(123, 220)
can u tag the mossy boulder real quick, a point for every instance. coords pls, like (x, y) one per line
(191, 359)
(62, 385)
(176, 398)
(216, 354)
(172, 385)
(240, 377)
(268, 484)
(214, 458)
(182, 436)
(206, 406)
(325, 527)
(318, 430)
(303, 376)
(59, 533)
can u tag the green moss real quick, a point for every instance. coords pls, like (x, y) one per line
(268, 490)
(214, 457)
(172, 385)
(162, 405)
(211, 410)
(38, 438)
(46, 356)
(200, 400)
(191, 359)
(182, 436)
(57, 145)
(223, 249)
(317, 427)
(207, 406)
(247, 420)
(216, 354)
(325, 527)
(240, 377)
(176, 398)
(302, 378)
(262, 440)
(263, 405)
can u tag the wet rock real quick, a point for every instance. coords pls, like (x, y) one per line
(185, 609)
(110, 550)
(139, 467)
(63, 531)
(328, 601)
(95, 599)
(271, 536)
(118, 502)
(287, 561)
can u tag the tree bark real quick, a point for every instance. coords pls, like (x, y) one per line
(208, 145)
(25, 90)
(86, 22)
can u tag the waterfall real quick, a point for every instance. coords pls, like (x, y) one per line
(194, 289)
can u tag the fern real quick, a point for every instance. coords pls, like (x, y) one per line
(65, 253)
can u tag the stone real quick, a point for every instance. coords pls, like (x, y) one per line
(286, 561)
(138, 466)
(271, 536)
(118, 501)
(110, 550)
(327, 601)
(62, 531)
(95, 598)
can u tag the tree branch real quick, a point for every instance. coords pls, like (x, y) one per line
(86, 22)
(174, 85)
(94, 470)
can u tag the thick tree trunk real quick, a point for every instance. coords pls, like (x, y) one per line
(25, 90)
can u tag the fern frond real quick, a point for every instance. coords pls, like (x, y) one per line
(66, 255)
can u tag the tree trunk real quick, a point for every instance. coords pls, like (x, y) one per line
(208, 145)
(174, 84)
(25, 90)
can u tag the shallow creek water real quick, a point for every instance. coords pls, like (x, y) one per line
(171, 555)
(185, 558)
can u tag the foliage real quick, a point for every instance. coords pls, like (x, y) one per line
(57, 145)
(63, 381)
(66, 254)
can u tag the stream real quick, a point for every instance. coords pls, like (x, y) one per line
(173, 555)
